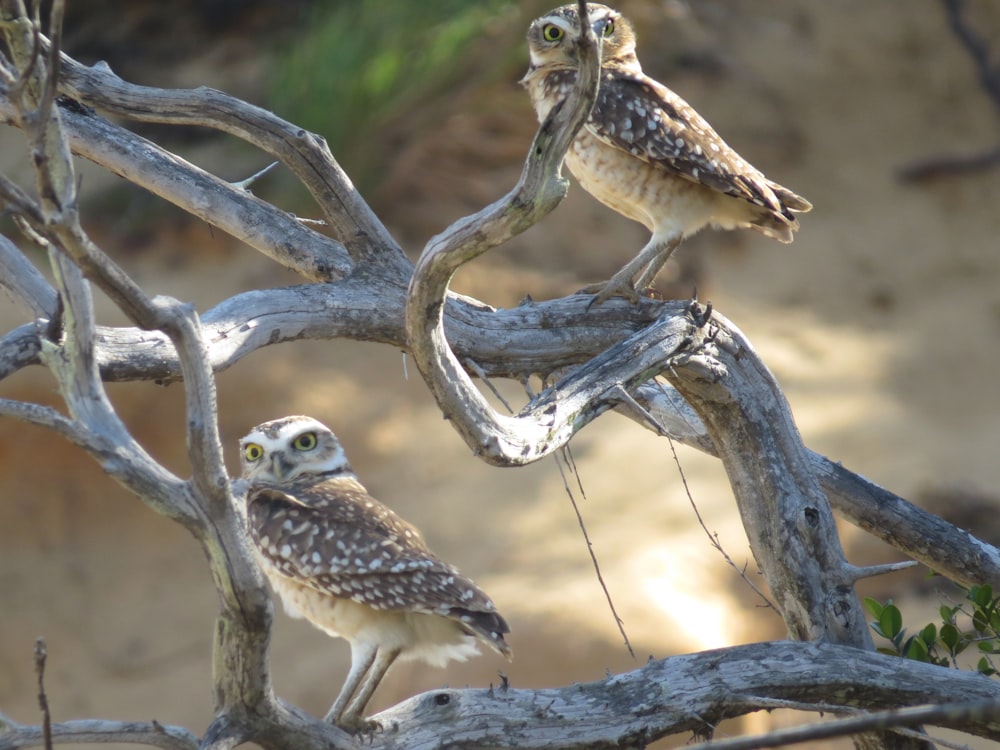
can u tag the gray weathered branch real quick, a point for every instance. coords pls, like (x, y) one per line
(929, 539)
(494, 437)
(680, 694)
(14, 736)
(690, 693)
(305, 154)
(204, 504)
(784, 510)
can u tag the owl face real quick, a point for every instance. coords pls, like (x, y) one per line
(287, 449)
(552, 39)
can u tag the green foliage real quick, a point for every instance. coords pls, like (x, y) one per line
(942, 643)
(360, 64)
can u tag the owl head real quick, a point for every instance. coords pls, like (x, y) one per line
(552, 38)
(291, 448)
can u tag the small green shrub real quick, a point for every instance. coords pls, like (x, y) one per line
(941, 643)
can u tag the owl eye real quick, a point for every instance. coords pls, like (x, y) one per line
(552, 33)
(609, 28)
(305, 442)
(252, 452)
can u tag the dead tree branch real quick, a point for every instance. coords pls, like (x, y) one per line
(14, 736)
(689, 693)
(494, 437)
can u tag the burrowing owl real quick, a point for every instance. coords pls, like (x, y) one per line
(353, 568)
(645, 152)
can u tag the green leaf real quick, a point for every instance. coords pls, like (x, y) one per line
(929, 634)
(916, 649)
(948, 613)
(950, 636)
(981, 596)
(995, 619)
(873, 606)
(979, 621)
(984, 668)
(890, 620)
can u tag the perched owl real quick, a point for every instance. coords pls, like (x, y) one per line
(645, 152)
(339, 558)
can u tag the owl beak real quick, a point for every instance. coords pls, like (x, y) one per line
(279, 467)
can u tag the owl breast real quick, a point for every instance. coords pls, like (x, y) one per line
(662, 202)
(419, 636)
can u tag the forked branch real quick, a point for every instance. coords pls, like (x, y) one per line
(497, 438)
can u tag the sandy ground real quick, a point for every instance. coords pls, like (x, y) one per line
(882, 323)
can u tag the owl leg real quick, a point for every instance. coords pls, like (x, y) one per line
(647, 263)
(356, 708)
(362, 658)
(657, 263)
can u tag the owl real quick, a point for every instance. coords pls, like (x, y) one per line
(345, 562)
(645, 152)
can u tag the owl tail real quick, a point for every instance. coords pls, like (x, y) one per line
(488, 627)
(781, 225)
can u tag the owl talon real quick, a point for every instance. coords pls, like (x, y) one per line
(359, 725)
(605, 290)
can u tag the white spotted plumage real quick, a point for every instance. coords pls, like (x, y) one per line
(351, 566)
(645, 152)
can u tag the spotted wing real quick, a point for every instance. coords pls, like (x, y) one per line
(638, 115)
(334, 537)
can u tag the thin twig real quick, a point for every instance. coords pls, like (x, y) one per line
(41, 652)
(951, 713)
(52, 62)
(481, 374)
(567, 457)
(714, 538)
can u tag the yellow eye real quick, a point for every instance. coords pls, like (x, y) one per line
(609, 29)
(551, 33)
(305, 442)
(252, 452)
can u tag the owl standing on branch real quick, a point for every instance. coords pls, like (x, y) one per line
(645, 152)
(353, 568)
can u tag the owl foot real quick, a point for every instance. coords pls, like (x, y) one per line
(605, 290)
(359, 725)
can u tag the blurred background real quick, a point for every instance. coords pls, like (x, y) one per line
(881, 322)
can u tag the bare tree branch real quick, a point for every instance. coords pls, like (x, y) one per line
(41, 653)
(495, 437)
(22, 282)
(687, 693)
(204, 505)
(305, 154)
(941, 546)
(953, 713)
(237, 212)
(16, 736)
